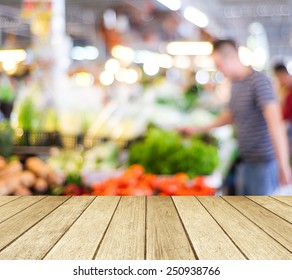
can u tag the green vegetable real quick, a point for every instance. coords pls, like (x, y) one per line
(56, 190)
(164, 152)
(74, 178)
(6, 138)
(6, 93)
(191, 96)
(28, 116)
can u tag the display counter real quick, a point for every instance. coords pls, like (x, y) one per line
(151, 228)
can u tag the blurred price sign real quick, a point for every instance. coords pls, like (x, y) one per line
(39, 13)
(32, 8)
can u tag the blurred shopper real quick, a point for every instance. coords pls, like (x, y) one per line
(285, 92)
(254, 110)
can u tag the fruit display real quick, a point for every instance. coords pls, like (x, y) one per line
(167, 152)
(135, 182)
(34, 177)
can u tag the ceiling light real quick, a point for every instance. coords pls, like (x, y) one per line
(202, 77)
(131, 76)
(120, 76)
(196, 17)
(106, 78)
(112, 65)
(77, 53)
(151, 68)
(84, 53)
(189, 48)
(9, 65)
(173, 5)
(165, 61)
(12, 55)
(91, 53)
(83, 79)
(259, 58)
(245, 55)
(124, 54)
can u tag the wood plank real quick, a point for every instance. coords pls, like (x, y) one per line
(16, 206)
(35, 243)
(81, 240)
(209, 240)
(253, 241)
(125, 237)
(6, 199)
(279, 208)
(276, 227)
(166, 237)
(285, 199)
(18, 224)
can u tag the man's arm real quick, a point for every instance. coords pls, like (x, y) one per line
(223, 119)
(275, 124)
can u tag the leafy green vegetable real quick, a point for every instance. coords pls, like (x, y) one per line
(6, 93)
(28, 115)
(164, 152)
(74, 178)
(6, 138)
(191, 96)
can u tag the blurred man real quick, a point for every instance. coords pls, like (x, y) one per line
(255, 113)
(285, 83)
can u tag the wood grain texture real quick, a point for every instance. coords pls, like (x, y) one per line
(158, 228)
(35, 243)
(125, 237)
(209, 240)
(15, 206)
(275, 226)
(18, 224)
(285, 199)
(7, 199)
(166, 238)
(82, 239)
(253, 241)
(279, 208)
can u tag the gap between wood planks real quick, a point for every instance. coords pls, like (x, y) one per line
(12, 201)
(67, 229)
(259, 226)
(98, 245)
(34, 224)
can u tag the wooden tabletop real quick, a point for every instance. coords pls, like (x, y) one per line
(154, 228)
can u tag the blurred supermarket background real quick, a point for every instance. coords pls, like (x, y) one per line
(92, 92)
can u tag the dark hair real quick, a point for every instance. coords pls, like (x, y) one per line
(220, 43)
(280, 68)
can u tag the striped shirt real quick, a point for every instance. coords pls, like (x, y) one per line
(248, 98)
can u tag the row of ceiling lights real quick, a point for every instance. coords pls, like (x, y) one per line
(190, 13)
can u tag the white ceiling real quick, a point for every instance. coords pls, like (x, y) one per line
(228, 18)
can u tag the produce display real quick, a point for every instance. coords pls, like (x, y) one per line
(135, 181)
(103, 157)
(127, 147)
(34, 177)
(167, 152)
